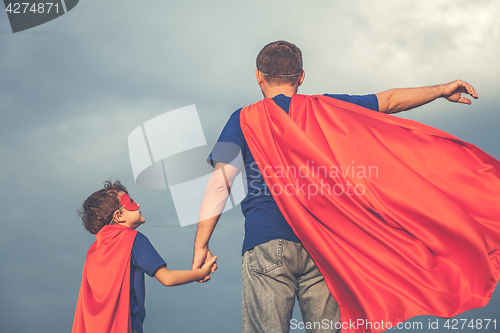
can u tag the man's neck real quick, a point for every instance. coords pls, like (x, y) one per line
(273, 91)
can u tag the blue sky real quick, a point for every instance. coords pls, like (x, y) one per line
(73, 89)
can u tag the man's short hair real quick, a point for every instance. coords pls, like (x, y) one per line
(280, 62)
(97, 211)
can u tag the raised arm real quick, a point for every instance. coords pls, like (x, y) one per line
(216, 194)
(397, 100)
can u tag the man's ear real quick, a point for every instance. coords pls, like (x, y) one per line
(302, 76)
(260, 77)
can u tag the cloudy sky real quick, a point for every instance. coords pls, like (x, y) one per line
(73, 89)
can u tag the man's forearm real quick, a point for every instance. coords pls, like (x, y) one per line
(403, 99)
(214, 201)
(397, 100)
(204, 232)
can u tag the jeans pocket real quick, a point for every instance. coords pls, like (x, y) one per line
(266, 257)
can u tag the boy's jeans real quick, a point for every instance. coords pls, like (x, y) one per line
(275, 272)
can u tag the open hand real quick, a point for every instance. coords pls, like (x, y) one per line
(453, 92)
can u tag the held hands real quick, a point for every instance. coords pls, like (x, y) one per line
(207, 268)
(204, 259)
(453, 90)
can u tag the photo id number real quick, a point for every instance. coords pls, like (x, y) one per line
(478, 324)
(36, 8)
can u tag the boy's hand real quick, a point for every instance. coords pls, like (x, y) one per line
(202, 256)
(207, 268)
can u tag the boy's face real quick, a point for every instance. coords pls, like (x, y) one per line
(129, 214)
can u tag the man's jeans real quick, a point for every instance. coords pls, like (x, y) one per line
(274, 273)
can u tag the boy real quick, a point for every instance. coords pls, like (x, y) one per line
(112, 292)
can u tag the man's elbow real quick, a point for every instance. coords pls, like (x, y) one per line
(394, 108)
(391, 106)
(219, 189)
(385, 101)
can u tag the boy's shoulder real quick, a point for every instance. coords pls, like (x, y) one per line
(140, 237)
(145, 256)
(142, 244)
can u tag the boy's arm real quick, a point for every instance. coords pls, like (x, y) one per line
(174, 278)
(397, 100)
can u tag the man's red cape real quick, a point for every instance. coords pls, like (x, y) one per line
(104, 300)
(401, 218)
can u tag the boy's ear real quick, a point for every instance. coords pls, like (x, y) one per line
(118, 217)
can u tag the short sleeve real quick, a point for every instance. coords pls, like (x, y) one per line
(144, 255)
(230, 145)
(367, 101)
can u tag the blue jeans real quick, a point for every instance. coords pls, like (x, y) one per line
(274, 273)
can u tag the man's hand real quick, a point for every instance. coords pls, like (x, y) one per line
(453, 91)
(201, 257)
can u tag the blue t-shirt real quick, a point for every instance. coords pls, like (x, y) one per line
(144, 259)
(263, 219)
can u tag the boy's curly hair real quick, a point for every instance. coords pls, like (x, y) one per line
(97, 211)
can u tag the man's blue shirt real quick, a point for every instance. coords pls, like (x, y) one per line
(263, 219)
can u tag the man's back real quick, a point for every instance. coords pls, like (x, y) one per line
(263, 219)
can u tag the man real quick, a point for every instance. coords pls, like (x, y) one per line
(276, 266)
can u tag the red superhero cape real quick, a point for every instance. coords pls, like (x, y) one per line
(104, 300)
(401, 218)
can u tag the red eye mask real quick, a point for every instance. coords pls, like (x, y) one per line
(128, 203)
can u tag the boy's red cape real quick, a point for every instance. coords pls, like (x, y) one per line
(401, 218)
(104, 300)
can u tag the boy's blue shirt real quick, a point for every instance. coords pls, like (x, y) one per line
(263, 219)
(144, 259)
